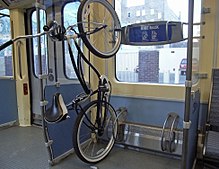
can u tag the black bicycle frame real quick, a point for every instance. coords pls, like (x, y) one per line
(102, 89)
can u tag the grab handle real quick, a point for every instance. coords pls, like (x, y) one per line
(6, 44)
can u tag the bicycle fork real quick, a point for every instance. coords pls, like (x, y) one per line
(102, 106)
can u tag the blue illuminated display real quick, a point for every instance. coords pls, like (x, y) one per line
(150, 33)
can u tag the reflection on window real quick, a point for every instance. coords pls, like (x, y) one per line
(43, 45)
(163, 64)
(70, 18)
(6, 64)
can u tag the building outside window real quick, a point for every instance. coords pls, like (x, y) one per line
(158, 63)
(6, 64)
(143, 12)
(70, 18)
(152, 11)
(138, 13)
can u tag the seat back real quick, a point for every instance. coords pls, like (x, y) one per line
(211, 146)
(213, 114)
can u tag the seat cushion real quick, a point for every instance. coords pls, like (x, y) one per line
(212, 145)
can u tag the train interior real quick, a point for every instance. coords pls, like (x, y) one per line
(164, 90)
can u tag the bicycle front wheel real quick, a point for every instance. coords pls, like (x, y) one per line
(92, 143)
(93, 14)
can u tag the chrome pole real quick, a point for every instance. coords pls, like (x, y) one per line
(188, 85)
(41, 78)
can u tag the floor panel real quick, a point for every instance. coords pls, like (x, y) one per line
(24, 148)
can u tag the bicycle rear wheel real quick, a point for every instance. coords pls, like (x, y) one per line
(90, 144)
(93, 14)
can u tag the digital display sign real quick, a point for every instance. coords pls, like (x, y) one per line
(152, 33)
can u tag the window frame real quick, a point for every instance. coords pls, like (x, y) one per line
(63, 44)
(32, 42)
(157, 47)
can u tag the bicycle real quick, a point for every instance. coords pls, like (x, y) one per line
(95, 128)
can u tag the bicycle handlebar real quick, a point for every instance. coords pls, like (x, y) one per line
(10, 42)
(55, 32)
(6, 44)
(49, 29)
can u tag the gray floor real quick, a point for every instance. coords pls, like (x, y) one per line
(23, 148)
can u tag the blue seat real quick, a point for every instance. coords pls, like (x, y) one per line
(211, 146)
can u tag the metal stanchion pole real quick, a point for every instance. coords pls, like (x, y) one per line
(188, 85)
(41, 77)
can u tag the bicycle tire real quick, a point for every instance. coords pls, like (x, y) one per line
(109, 38)
(86, 140)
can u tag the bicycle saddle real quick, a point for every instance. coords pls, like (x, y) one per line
(58, 111)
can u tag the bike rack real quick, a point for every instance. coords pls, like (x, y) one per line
(170, 134)
(121, 117)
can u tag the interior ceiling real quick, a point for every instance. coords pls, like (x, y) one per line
(10, 4)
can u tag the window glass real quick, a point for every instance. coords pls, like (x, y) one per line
(43, 44)
(6, 64)
(163, 64)
(70, 18)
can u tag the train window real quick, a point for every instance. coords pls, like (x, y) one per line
(6, 64)
(70, 18)
(43, 44)
(156, 64)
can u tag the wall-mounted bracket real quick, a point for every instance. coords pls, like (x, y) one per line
(201, 75)
(206, 10)
(188, 83)
(186, 125)
(43, 103)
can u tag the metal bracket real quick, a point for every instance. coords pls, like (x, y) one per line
(38, 5)
(43, 103)
(186, 125)
(57, 84)
(188, 83)
(198, 37)
(43, 76)
(195, 24)
(49, 143)
(206, 10)
(201, 75)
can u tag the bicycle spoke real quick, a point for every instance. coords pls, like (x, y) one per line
(95, 145)
(88, 145)
(103, 47)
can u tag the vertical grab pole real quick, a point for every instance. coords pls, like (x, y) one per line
(43, 102)
(188, 85)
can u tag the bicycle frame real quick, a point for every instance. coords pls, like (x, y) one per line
(103, 91)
